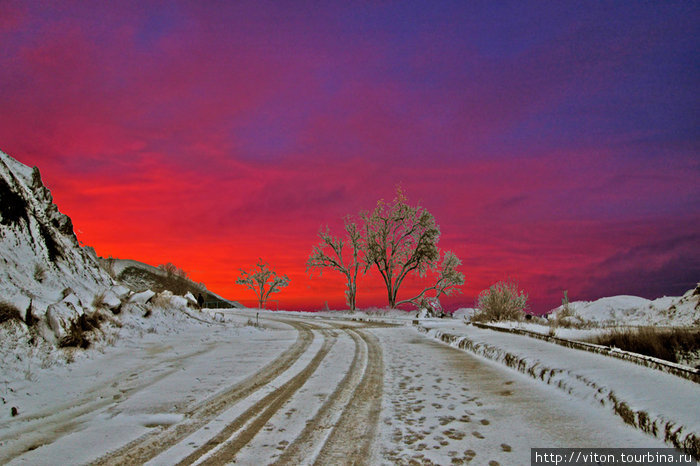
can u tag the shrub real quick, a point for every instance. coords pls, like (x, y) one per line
(502, 301)
(98, 299)
(162, 300)
(76, 337)
(9, 311)
(39, 272)
(77, 334)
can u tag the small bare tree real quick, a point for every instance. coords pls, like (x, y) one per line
(171, 270)
(334, 259)
(401, 239)
(176, 279)
(262, 281)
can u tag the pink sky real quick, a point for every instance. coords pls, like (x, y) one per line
(555, 145)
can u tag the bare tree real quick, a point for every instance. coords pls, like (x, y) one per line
(171, 269)
(176, 279)
(334, 259)
(262, 281)
(447, 281)
(401, 239)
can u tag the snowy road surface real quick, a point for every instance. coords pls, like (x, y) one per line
(298, 391)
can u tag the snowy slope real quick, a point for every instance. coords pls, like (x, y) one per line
(120, 265)
(633, 310)
(139, 276)
(41, 262)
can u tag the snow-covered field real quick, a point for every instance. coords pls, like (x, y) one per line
(109, 395)
(298, 389)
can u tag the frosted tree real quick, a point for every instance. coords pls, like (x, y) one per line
(263, 281)
(448, 280)
(502, 301)
(400, 240)
(330, 254)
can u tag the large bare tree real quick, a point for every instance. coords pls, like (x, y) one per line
(262, 281)
(401, 239)
(329, 254)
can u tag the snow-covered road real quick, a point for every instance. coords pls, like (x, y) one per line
(298, 391)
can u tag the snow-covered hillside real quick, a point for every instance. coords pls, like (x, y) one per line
(44, 273)
(139, 276)
(633, 310)
(53, 292)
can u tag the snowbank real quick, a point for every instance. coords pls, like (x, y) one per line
(633, 310)
(622, 387)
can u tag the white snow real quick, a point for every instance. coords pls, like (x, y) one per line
(156, 367)
(142, 298)
(633, 310)
(588, 376)
(139, 378)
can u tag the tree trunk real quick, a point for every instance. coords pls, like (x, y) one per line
(352, 296)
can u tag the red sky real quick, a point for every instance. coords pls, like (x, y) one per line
(554, 144)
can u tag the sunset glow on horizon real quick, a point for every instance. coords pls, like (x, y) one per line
(555, 143)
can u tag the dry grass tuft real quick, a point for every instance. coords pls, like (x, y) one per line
(9, 311)
(660, 343)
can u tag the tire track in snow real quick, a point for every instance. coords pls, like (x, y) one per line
(155, 442)
(227, 443)
(46, 426)
(351, 440)
(317, 429)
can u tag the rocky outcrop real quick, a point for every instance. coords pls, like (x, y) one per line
(43, 269)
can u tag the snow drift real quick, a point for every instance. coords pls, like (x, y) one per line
(633, 310)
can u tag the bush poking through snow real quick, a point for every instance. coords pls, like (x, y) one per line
(567, 317)
(29, 318)
(98, 300)
(78, 332)
(502, 301)
(39, 273)
(9, 311)
(74, 338)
